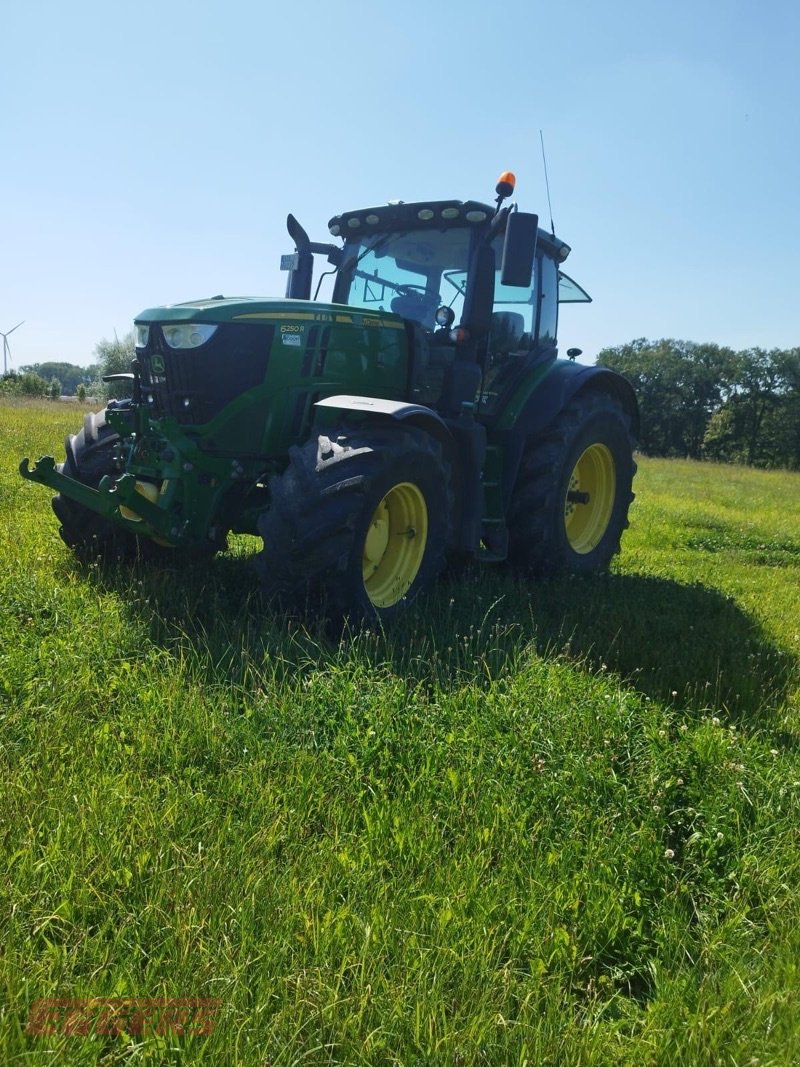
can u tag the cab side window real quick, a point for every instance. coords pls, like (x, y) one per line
(513, 319)
(548, 304)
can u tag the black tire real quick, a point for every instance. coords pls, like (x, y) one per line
(322, 534)
(90, 456)
(588, 446)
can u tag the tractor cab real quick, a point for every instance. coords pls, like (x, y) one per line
(474, 283)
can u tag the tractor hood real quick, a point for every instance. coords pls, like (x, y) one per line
(253, 309)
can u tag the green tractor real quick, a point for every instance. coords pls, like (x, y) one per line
(422, 415)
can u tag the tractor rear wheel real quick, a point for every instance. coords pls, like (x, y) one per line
(360, 519)
(570, 503)
(90, 456)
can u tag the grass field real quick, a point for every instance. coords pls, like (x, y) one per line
(549, 823)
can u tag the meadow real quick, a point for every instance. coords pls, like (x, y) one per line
(536, 823)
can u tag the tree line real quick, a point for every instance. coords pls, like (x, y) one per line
(49, 379)
(704, 401)
(66, 379)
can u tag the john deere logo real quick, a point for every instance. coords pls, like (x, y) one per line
(157, 364)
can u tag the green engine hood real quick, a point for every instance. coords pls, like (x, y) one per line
(251, 309)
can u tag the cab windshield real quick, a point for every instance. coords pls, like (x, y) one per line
(411, 273)
(414, 272)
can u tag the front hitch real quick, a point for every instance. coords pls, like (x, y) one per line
(107, 499)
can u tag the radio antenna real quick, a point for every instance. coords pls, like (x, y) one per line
(547, 186)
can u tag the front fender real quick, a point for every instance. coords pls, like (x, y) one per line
(418, 415)
(462, 447)
(375, 405)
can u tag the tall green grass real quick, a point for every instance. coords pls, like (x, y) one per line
(542, 823)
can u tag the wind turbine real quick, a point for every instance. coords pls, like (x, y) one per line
(7, 347)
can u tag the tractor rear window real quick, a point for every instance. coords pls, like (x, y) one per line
(569, 292)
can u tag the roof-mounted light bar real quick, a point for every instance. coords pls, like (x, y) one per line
(433, 214)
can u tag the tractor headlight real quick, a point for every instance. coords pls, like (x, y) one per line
(142, 335)
(188, 335)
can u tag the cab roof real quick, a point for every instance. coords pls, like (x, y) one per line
(429, 215)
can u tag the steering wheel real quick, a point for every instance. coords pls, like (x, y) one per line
(410, 290)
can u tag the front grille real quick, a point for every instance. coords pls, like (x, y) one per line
(195, 384)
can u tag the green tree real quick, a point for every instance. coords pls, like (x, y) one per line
(114, 357)
(32, 384)
(679, 385)
(68, 374)
(54, 389)
(759, 423)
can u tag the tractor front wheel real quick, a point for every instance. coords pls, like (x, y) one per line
(570, 504)
(360, 519)
(90, 456)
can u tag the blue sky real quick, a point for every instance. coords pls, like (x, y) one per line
(151, 151)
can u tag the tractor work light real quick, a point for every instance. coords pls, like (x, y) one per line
(142, 335)
(188, 335)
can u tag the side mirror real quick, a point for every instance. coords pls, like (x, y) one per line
(519, 249)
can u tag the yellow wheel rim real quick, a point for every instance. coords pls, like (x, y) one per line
(395, 545)
(149, 492)
(590, 499)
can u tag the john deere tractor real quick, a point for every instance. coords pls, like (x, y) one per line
(421, 415)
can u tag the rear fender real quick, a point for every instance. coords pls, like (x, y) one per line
(565, 381)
